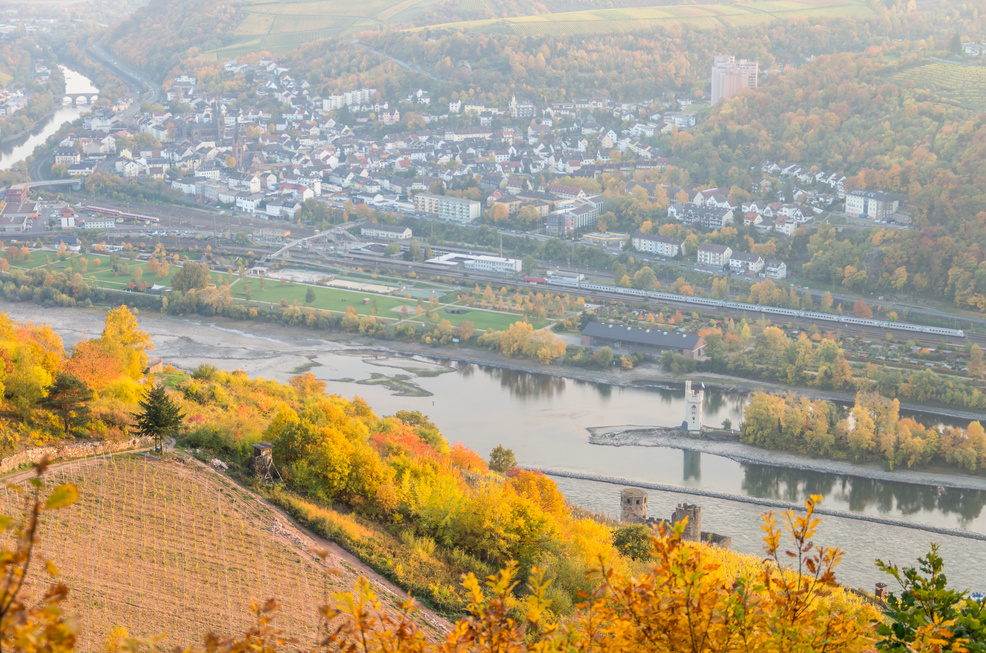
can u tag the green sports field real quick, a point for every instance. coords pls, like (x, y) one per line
(386, 306)
(336, 300)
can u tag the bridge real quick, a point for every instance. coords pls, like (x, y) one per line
(338, 236)
(79, 99)
(76, 184)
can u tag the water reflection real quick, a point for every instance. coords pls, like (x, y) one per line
(524, 385)
(692, 467)
(465, 369)
(863, 494)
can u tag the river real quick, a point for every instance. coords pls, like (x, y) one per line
(544, 420)
(23, 147)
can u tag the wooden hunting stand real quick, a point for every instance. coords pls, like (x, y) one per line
(262, 463)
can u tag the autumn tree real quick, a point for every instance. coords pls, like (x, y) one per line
(191, 276)
(123, 339)
(502, 459)
(862, 310)
(93, 365)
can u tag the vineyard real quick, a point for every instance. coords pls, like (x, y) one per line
(165, 548)
(950, 83)
(615, 21)
(283, 24)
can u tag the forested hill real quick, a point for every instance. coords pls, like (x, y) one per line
(666, 41)
(876, 118)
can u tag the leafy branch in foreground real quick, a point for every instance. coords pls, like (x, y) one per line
(928, 616)
(24, 625)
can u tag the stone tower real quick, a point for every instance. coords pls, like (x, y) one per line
(693, 529)
(633, 505)
(693, 407)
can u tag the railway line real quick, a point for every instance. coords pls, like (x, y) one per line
(876, 331)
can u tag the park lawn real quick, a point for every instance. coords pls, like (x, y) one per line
(103, 273)
(388, 307)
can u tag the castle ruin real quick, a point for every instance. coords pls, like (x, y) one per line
(633, 510)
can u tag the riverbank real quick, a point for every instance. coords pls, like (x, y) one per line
(280, 352)
(650, 375)
(637, 436)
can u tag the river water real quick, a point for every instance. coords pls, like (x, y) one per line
(22, 148)
(544, 420)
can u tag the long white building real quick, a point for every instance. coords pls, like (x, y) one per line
(455, 209)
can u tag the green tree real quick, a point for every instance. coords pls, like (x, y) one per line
(310, 296)
(502, 459)
(604, 356)
(159, 416)
(529, 263)
(68, 397)
(191, 276)
(644, 278)
(634, 541)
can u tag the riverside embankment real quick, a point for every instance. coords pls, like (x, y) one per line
(547, 420)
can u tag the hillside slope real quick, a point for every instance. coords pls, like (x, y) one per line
(172, 549)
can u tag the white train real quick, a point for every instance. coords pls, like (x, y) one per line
(773, 310)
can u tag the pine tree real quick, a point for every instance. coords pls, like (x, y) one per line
(159, 416)
(68, 398)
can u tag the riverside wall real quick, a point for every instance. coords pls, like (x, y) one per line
(768, 503)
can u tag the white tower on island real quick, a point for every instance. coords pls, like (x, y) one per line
(693, 406)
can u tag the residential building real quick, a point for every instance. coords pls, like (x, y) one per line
(872, 204)
(775, 269)
(639, 340)
(730, 76)
(741, 262)
(713, 255)
(454, 209)
(386, 231)
(572, 218)
(657, 244)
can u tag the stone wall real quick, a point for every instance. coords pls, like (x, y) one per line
(70, 449)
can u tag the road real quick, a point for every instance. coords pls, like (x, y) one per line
(400, 62)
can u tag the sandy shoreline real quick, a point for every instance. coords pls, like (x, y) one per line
(278, 352)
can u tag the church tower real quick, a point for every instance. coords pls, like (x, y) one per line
(693, 407)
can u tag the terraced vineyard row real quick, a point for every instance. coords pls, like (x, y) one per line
(168, 550)
(952, 83)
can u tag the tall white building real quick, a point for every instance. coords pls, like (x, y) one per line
(693, 406)
(730, 76)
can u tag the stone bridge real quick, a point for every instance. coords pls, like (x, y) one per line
(79, 99)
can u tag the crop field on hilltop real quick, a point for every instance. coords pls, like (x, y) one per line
(283, 24)
(611, 21)
(165, 548)
(952, 83)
